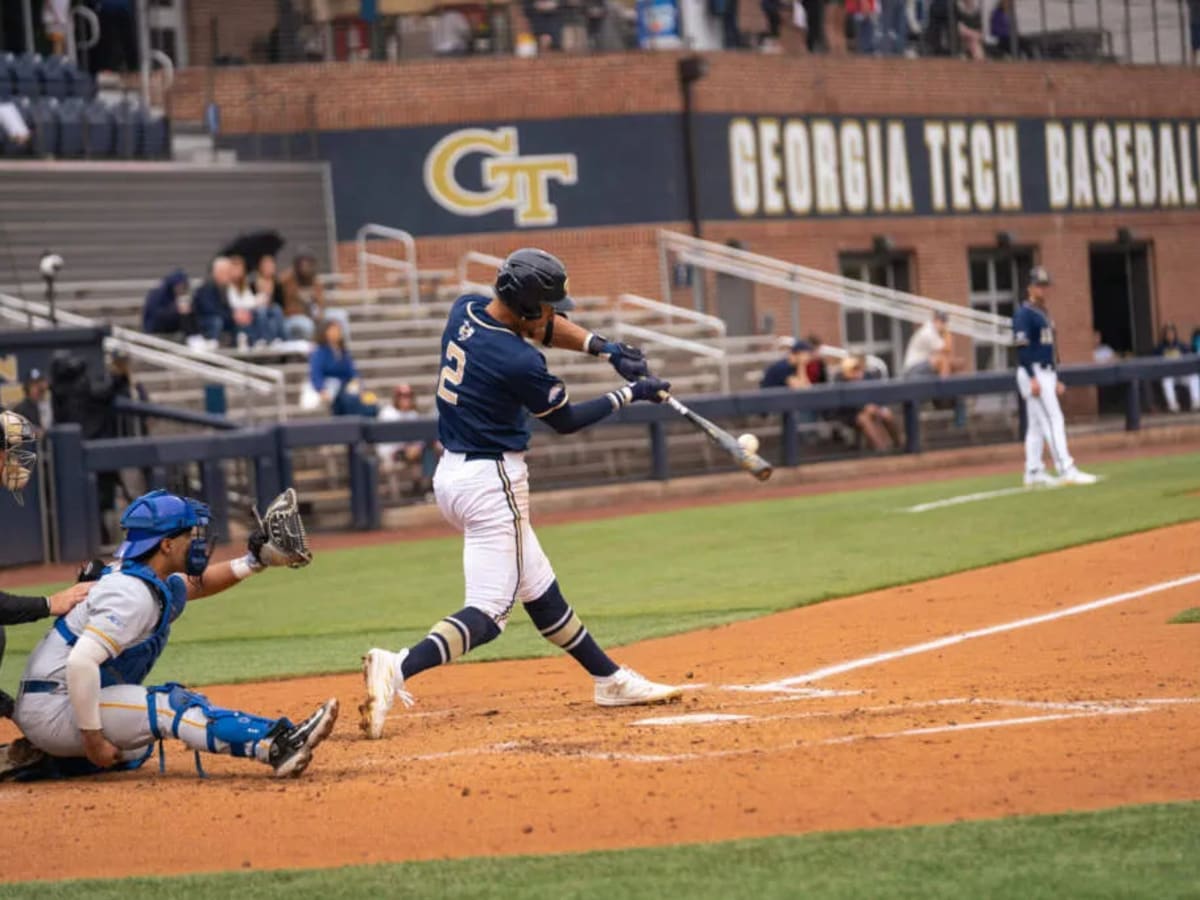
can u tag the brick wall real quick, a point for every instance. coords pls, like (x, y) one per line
(610, 260)
(240, 27)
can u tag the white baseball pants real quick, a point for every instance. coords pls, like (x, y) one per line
(1046, 427)
(488, 501)
(1193, 385)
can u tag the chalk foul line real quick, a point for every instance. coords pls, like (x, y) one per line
(986, 495)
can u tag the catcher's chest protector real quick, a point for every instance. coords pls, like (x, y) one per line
(135, 663)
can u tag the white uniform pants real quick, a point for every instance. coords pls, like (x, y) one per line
(1046, 427)
(1193, 385)
(48, 721)
(488, 501)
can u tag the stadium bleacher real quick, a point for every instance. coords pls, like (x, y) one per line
(70, 117)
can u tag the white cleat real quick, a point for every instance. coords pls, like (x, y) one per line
(627, 688)
(1040, 479)
(384, 683)
(1074, 476)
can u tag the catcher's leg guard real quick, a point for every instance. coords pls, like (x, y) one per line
(210, 728)
(559, 624)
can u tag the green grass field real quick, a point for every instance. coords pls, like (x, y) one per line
(657, 574)
(1139, 851)
(1187, 617)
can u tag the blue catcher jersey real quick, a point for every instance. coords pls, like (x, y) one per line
(1033, 332)
(490, 376)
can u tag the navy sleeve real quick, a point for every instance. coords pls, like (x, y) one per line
(539, 392)
(316, 368)
(14, 610)
(575, 416)
(1020, 327)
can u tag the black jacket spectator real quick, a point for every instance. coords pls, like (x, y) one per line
(161, 314)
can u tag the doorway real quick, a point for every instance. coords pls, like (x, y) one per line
(1122, 308)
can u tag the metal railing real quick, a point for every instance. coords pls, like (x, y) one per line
(407, 267)
(465, 262)
(799, 280)
(623, 329)
(252, 381)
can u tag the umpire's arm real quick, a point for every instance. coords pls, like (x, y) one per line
(14, 609)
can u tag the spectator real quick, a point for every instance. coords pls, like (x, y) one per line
(773, 13)
(814, 18)
(56, 16)
(1194, 18)
(333, 376)
(268, 290)
(36, 405)
(893, 27)
(451, 33)
(928, 352)
(118, 50)
(304, 299)
(243, 304)
(168, 308)
(1196, 340)
(12, 124)
(210, 303)
(1102, 353)
(791, 371)
(816, 369)
(545, 20)
(416, 459)
(970, 28)
(120, 370)
(875, 423)
(860, 25)
(1170, 347)
(1001, 26)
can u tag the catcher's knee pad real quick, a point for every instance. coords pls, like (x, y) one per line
(237, 729)
(461, 632)
(555, 619)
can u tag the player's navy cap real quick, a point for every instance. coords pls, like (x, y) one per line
(801, 346)
(1039, 275)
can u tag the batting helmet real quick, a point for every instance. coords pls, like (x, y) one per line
(18, 454)
(530, 278)
(158, 515)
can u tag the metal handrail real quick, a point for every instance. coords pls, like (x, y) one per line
(248, 377)
(976, 324)
(167, 65)
(408, 265)
(624, 329)
(484, 259)
(73, 42)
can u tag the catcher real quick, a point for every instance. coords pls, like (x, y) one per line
(82, 706)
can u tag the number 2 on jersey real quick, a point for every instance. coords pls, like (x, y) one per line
(452, 373)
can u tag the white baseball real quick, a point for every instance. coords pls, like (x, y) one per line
(748, 442)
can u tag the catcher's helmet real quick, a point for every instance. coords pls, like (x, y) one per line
(160, 514)
(530, 278)
(18, 454)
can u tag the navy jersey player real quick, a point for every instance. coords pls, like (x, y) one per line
(491, 381)
(1037, 381)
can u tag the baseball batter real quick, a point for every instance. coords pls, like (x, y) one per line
(490, 379)
(1037, 381)
(82, 704)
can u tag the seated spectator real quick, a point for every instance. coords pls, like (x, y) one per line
(12, 123)
(546, 21)
(333, 377)
(970, 28)
(791, 371)
(1102, 353)
(860, 25)
(304, 299)
(168, 308)
(1001, 26)
(969, 25)
(36, 406)
(451, 33)
(893, 27)
(1196, 340)
(414, 460)
(1170, 347)
(875, 423)
(255, 320)
(210, 302)
(56, 20)
(928, 353)
(816, 370)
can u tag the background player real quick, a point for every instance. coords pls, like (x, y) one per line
(1037, 381)
(490, 377)
(82, 694)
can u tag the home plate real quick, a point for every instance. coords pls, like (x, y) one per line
(691, 719)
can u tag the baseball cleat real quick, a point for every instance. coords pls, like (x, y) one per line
(292, 749)
(1074, 476)
(627, 688)
(384, 683)
(17, 758)
(1040, 479)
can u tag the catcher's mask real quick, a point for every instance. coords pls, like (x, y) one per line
(18, 454)
(160, 514)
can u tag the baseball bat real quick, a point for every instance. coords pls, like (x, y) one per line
(751, 462)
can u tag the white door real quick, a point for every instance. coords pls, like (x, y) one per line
(168, 29)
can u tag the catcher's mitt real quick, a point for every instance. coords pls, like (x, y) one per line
(279, 539)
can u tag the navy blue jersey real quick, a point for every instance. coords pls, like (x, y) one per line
(490, 377)
(1033, 332)
(777, 374)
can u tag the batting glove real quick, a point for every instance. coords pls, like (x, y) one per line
(652, 389)
(628, 360)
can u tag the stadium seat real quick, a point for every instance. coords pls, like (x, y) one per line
(44, 113)
(55, 81)
(99, 131)
(28, 75)
(71, 143)
(156, 137)
(7, 87)
(128, 118)
(81, 84)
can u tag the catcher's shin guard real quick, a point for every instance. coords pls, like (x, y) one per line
(222, 730)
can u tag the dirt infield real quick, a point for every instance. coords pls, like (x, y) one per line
(988, 693)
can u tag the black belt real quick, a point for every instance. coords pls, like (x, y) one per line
(39, 687)
(484, 454)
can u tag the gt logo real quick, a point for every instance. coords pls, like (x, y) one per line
(510, 181)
